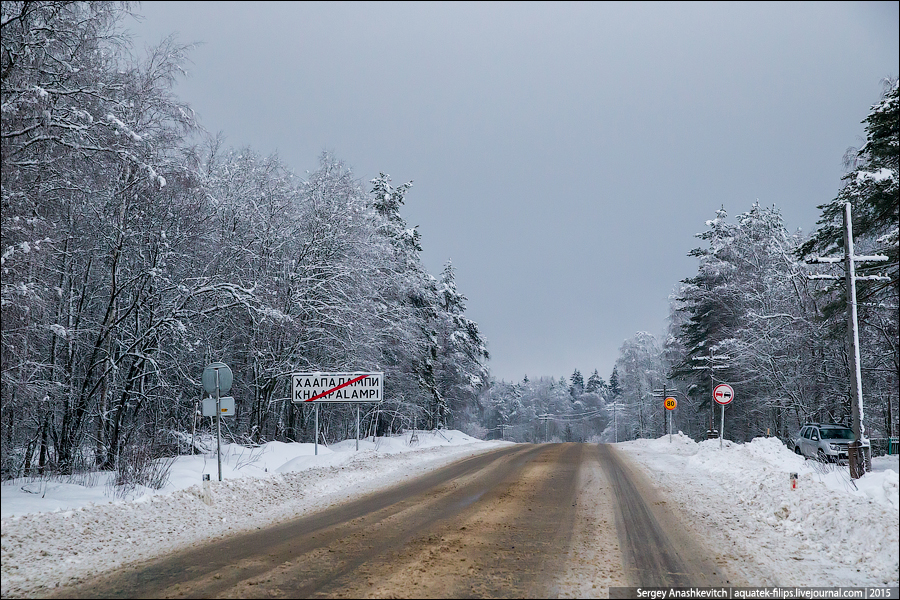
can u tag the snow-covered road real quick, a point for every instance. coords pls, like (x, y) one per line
(739, 499)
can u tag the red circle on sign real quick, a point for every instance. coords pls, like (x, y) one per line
(723, 393)
(671, 403)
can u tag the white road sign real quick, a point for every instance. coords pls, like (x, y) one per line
(226, 406)
(337, 387)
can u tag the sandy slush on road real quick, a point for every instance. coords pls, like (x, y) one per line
(521, 521)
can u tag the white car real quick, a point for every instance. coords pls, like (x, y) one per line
(825, 442)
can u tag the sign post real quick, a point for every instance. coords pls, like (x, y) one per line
(217, 377)
(336, 387)
(671, 403)
(723, 394)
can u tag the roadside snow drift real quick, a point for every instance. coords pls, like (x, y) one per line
(830, 530)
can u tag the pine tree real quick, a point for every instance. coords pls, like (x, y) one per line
(407, 299)
(576, 387)
(614, 390)
(387, 200)
(749, 303)
(460, 369)
(594, 383)
(872, 188)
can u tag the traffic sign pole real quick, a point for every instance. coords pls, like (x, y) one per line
(218, 426)
(217, 378)
(722, 428)
(670, 405)
(723, 394)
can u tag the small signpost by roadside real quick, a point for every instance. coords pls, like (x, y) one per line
(723, 394)
(217, 379)
(336, 387)
(671, 403)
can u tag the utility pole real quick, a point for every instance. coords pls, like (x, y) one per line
(712, 365)
(664, 393)
(859, 455)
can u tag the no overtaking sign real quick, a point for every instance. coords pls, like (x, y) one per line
(723, 393)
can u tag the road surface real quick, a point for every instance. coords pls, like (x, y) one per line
(535, 521)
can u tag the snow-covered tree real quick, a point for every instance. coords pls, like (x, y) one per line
(639, 370)
(753, 311)
(131, 257)
(407, 298)
(90, 139)
(461, 363)
(595, 383)
(871, 187)
(576, 381)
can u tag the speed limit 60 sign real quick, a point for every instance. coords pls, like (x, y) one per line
(671, 403)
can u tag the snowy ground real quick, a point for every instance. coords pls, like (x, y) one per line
(829, 531)
(826, 532)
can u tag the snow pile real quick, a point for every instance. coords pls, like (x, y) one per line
(829, 530)
(57, 532)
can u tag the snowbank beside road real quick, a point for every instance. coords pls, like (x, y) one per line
(56, 533)
(829, 531)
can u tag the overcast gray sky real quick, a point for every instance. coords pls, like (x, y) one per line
(563, 155)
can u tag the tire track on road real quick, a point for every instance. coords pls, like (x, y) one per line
(512, 543)
(657, 550)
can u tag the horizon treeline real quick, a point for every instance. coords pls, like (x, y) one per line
(136, 249)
